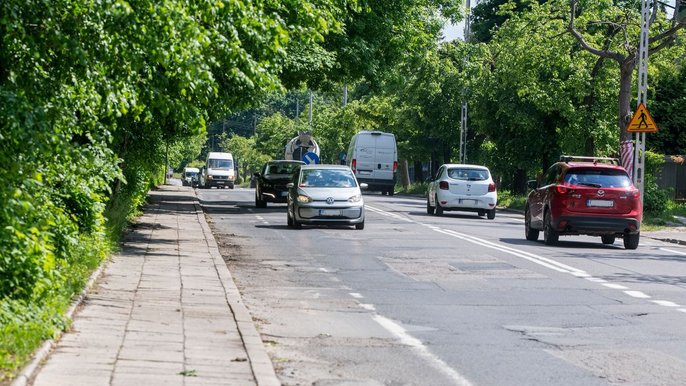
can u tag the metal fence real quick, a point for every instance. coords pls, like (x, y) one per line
(672, 177)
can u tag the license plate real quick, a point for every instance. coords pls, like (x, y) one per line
(600, 203)
(329, 212)
(284, 194)
(468, 202)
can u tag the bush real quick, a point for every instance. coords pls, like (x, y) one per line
(655, 200)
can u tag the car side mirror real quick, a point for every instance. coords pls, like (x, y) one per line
(364, 185)
(290, 185)
(532, 184)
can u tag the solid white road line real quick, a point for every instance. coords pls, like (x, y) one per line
(540, 260)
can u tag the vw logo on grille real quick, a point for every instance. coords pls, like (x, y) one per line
(601, 192)
(330, 200)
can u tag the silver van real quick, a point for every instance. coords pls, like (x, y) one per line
(373, 157)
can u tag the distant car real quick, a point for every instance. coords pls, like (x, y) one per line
(190, 177)
(584, 195)
(271, 180)
(462, 187)
(325, 195)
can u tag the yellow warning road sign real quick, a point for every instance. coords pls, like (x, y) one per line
(641, 121)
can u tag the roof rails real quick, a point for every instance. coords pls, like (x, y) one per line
(595, 160)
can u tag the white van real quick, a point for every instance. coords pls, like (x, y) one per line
(373, 157)
(218, 171)
(190, 176)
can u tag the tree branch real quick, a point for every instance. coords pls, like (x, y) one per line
(602, 53)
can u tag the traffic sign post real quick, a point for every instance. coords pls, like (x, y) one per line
(639, 144)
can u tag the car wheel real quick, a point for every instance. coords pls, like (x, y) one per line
(631, 240)
(481, 213)
(230, 186)
(439, 208)
(360, 225)
(429, 209)
(289, 219)
(391, 192)
(550, 235)
(260, 203)
(490, 214)
(608, 239)
(530, 233)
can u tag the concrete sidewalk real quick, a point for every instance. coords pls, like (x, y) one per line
(164, 311)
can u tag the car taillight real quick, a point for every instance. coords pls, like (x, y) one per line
(635, 193)
(491, 187)
(443, 185)
(353, 165)
(395, 166)
(561, 189)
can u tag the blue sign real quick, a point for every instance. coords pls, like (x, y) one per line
(311, 158)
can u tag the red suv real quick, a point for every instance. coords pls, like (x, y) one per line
(584, 195)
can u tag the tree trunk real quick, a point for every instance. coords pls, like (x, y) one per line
(519, 184)
(418, 172)
(624, 113)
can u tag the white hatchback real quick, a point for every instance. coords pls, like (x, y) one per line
(325, 195)
(462, 187)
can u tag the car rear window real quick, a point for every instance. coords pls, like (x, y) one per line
(598, 178)
(468, 174)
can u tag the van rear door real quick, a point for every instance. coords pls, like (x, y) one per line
(384, 156)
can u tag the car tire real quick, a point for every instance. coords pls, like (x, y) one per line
(490, 214)
(360, 225)
(439, 208)
(391, 192)
(550, 235)
(631, 240)
(259, 203)
(289, 219)
(530, 233)
(608, 239)
(481, 213)
(429, 209)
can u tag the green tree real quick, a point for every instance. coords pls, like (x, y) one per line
(611, 30)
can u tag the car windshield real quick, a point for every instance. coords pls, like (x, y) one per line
(191, 174)
(220, 164)
(598, 178)
(280, 168)
(327, 178)
(468, 174)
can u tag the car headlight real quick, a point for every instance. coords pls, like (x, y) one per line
(355, 198)
(209, 177)
(303, 199)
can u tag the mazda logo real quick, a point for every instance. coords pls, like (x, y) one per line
(330, 200)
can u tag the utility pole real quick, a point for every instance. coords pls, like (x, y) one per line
(310, 114)
(464, 110)
(345, 94)
(640, 145)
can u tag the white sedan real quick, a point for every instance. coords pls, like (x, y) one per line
(462, 187)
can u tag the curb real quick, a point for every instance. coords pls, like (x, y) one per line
(260, 363)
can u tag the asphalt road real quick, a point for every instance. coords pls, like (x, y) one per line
(415, 299)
